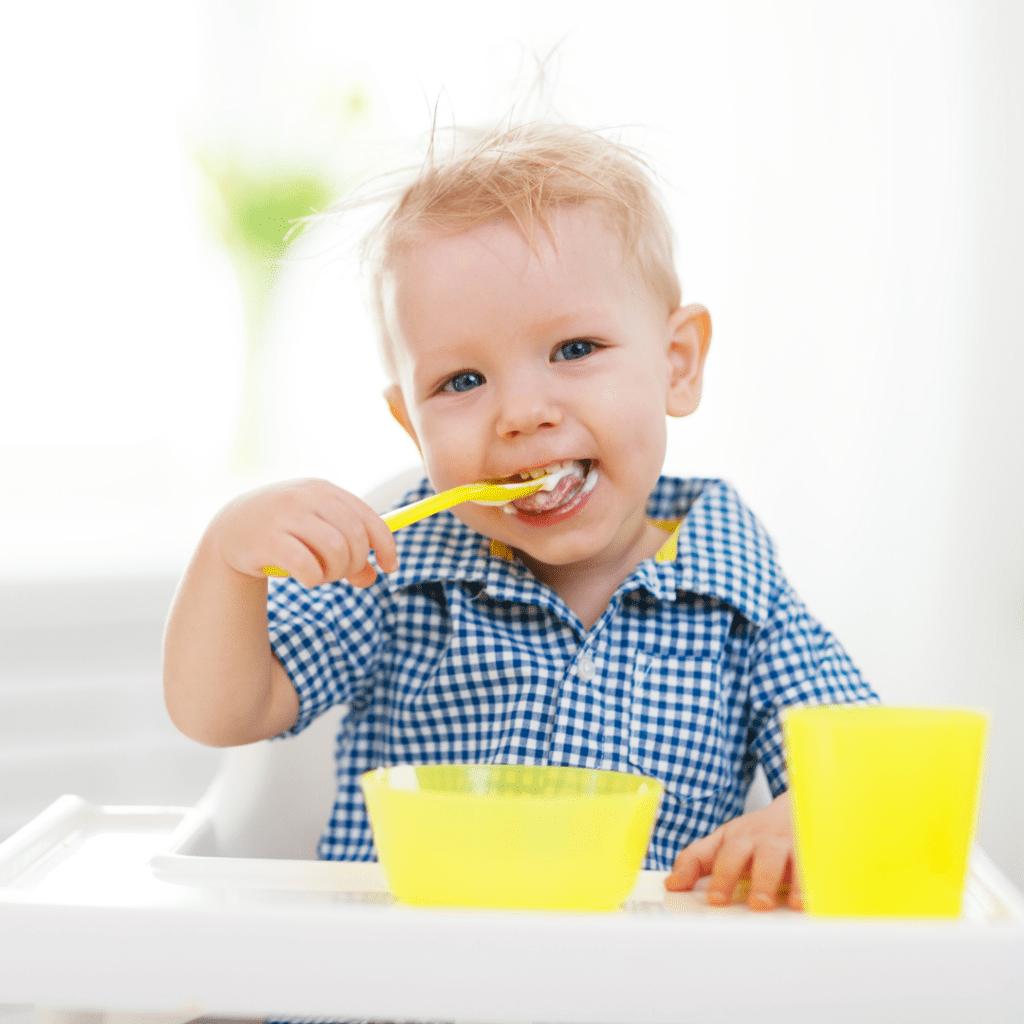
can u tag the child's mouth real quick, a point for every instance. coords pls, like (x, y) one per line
(561, 497)
(573, 478)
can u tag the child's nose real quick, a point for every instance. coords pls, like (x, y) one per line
(525, 410)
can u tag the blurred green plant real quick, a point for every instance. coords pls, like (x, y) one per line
(258, 218)
(258, 209)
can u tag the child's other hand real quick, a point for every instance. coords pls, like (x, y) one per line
(758, 846)
(313, 530)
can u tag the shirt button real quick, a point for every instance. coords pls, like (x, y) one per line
(585, 668)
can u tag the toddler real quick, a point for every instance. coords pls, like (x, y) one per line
(530, 317)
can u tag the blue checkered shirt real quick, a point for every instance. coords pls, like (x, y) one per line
(462, 655)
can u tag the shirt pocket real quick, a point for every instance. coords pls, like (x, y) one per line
(676, 725)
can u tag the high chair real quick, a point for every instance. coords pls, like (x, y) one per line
(163, 914)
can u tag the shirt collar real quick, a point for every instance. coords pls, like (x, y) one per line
(722, 551)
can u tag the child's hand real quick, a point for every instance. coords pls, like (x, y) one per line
(313, 530)
(758, 846)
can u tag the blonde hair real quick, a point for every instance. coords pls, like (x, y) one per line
(523, 173)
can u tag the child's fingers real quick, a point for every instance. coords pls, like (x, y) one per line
(767, 874)
(311, 529)
(382, 540)
(694, 862)
(342, 533)
(731, 862)
(378, 536)
(297, 558)
(364, 577)
(343, 545)
(795, 900)
(339, 548)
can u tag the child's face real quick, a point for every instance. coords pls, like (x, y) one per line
(508, 363)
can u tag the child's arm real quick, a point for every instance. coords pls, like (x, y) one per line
(759, 844)
(222, 684)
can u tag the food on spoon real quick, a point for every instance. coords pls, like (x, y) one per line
(565, 481)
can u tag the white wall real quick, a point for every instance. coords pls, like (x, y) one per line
(846, 183)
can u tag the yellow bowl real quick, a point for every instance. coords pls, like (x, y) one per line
(523, 836)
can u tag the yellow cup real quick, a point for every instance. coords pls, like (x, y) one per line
(523, 836)
(884, 805)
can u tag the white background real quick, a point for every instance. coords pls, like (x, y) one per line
(846, 184)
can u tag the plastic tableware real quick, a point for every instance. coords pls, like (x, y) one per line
(884, 805)
(523, 836)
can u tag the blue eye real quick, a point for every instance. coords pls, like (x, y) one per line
(578, 348)
(465, 381)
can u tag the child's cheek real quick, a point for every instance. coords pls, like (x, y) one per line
(450, 460)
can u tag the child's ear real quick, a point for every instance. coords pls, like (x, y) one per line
(689, 329)
(396, 403)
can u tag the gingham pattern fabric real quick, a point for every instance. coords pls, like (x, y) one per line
(461, 656)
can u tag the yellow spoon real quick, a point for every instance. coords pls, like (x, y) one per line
(484, 490)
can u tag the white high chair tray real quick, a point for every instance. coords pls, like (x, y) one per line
(87, 921)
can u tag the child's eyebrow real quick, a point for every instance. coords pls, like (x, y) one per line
(558, 324)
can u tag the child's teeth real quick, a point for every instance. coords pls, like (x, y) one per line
(558, 471)
(554, 467)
